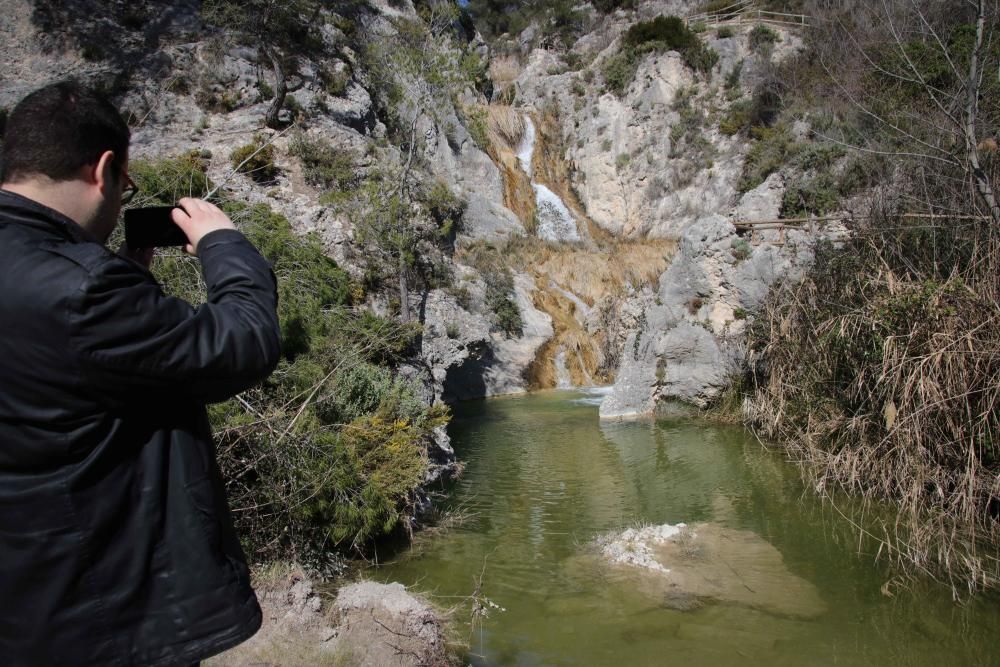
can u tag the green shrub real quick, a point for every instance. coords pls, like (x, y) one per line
(445, 208)
(334, 82)
(736, 119)
(814, 196)
(608, 6)
(772, 148)
(163, 182)
(741, 249)
(664, 33)
(724, 32)
(324, 165)
(255, 159)
(264, 90)
(619, 71)
(762, 37)
(325, 453)
(668, 32)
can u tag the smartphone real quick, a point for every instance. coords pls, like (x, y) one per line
(152, 227)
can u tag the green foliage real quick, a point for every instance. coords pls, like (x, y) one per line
(741, 249)
(724, 32)
(326, 453)
(490, 263)
(255, 159)
(772, 148)
(668, 31)
(736, 119)
(164, 182)
(762, 38)
(664, 33)
(334, 81)
(324, 165)
(619, 70)
(810, 196)
(622, 161)
(445, 208)
(264, 90)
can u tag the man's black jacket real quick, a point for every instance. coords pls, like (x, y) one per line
(116, 543)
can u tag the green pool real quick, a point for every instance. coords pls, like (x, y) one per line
(544, 476)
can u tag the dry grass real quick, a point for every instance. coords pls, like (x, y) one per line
(884, 380)
(506, 126)
(504, 70)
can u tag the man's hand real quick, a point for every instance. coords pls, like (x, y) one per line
(196, 218)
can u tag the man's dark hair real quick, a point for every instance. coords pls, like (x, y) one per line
(58, 129)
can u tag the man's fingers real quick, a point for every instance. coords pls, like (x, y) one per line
(197, 217)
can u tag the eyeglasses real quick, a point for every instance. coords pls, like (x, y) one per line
(130, 190)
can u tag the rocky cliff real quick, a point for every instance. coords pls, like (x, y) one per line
(622, 176)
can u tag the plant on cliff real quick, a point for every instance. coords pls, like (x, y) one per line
(326, 453)
(416, 76)
(255, 159)
(281, 30)
(664, 33)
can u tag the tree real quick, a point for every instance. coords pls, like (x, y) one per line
(417, 73)
(279, 28)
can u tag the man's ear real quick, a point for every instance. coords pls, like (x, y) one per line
(104, 172)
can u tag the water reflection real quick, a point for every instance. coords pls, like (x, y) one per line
(544, 476)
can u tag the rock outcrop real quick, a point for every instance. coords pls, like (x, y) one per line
(366, 624)
(687, 567)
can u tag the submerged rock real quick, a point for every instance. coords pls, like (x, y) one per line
(689, 566)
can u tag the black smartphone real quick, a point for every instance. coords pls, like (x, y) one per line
(152, 227)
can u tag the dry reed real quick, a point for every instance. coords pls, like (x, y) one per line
(880, 372)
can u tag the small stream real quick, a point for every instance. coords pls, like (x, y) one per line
(544, 476)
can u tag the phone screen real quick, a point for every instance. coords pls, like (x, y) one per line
(152, 227)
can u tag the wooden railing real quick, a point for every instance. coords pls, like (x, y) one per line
(815, 224)
(744, 12)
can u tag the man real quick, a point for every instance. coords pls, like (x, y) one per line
(116, 543)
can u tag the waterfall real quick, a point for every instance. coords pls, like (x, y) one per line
(563, 380)
(587, 380)
(555, 222)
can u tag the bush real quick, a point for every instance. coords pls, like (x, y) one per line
(741, 249)
(327, 452)
(256, 160)
(667, 32)
(736, 119)
(163, 182)
(772, 149)
(608, 6)
(762, 38)
(664, 33)
(323, 165)
(724, 32)
(813, 196)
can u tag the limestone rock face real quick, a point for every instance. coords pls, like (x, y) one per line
(689, 343)
(652, 162)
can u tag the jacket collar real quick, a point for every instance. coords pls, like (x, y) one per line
(28, 211)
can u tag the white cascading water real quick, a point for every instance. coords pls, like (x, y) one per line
(563, 380)
(555, 222)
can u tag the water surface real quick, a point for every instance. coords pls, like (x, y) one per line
(544, 476)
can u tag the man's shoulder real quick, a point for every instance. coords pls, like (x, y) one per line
(35, 262)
